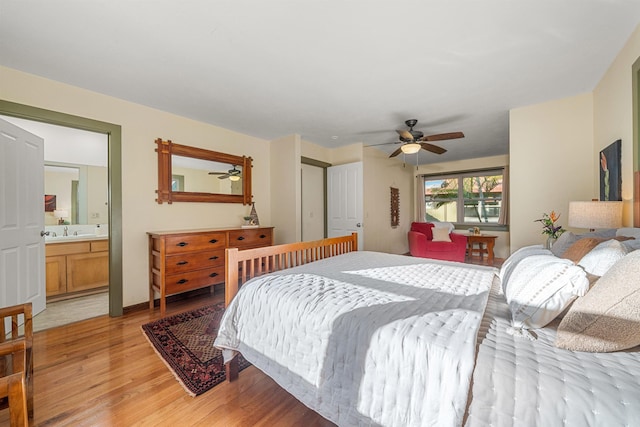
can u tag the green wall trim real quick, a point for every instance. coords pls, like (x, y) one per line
(636, 114)
(114, 134)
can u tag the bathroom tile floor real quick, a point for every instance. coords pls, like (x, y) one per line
(71, 310)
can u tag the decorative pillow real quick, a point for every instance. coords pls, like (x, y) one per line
(441, 234)
(563, 243)
(510, 263)
(580, 248)
(607, 318)
(449, 226)
(541, 287)
(601, 258)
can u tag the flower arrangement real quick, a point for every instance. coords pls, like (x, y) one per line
(549, 226)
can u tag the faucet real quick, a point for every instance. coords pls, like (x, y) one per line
(66, 231)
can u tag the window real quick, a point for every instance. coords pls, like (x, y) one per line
(473, 197)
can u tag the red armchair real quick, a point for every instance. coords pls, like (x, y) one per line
(421, 244)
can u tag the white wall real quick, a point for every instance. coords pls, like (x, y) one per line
(380, 174)
(612, 100)
(551, 158)
(285, 189)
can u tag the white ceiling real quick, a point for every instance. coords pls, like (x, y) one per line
(355, 70)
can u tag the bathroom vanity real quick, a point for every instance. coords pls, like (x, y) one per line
(76, 267)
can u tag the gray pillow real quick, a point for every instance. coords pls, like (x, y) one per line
(607, 318)
(563, 243)
(568, 238)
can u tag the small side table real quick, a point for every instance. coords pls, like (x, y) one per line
(485, 244)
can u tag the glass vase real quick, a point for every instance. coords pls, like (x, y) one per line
(549, 243)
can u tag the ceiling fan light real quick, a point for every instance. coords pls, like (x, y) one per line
(411, 148)
(234, 178)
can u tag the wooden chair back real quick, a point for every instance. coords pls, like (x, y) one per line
(16, 354)
(13, 387)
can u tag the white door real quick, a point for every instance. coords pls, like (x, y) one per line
(345, 201)
(22, 277)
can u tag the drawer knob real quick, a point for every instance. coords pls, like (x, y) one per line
(213, 241)
(240, 238)
(214, 257)
(182, 263)
(182, 281)
(213, 274)
(262, 236)
(182, 244)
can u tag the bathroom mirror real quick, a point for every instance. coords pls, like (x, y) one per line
(190, 174)
(80, 191)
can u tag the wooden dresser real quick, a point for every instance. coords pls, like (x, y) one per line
(181, 261)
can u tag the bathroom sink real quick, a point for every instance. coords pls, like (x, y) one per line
(72, 237)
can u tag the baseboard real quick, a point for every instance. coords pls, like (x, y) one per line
(172, 298)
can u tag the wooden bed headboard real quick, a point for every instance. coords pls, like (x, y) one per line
(243, 265)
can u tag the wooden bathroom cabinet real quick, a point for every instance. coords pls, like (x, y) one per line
(76, 267)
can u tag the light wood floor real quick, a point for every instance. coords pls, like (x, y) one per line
(103, 372)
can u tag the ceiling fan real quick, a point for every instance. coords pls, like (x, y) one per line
(233, 174)
(413, 140)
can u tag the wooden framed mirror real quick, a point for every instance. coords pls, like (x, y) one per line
(190, 174)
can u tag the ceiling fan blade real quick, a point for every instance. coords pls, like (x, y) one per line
(217, 173)
(433, 148)
(225, 176)
(385, 143)
(405, 135)
(395, 153)
(444, 136)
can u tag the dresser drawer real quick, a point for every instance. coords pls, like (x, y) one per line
(177, 283)
(195, 242)
(190, 261)
(250, 238)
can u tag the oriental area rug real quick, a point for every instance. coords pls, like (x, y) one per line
(185, 343)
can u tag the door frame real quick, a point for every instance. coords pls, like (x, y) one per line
(324, 165)
(114, 137)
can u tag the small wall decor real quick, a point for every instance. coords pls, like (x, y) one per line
(610, 172)
(254, 215)
(395, 207)
(49, 202)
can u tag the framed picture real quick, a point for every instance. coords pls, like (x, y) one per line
(610, 172)
(49, 202)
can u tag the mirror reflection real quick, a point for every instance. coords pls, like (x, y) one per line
(204, 176)
(81, 195)
(192, 174)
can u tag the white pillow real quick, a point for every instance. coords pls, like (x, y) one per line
(440, 235)
(541, 287)
(601, 258)
(449, 226)
(510, 263)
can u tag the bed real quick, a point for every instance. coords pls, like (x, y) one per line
(366, 338)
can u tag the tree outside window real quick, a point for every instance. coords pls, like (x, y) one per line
(467, 198)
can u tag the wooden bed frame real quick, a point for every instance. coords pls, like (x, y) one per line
(243, 265)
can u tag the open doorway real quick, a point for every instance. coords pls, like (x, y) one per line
(76, 223)
(113, 133)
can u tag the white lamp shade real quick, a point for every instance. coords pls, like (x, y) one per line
(595, 214)
(411, 148)
(234, 178)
